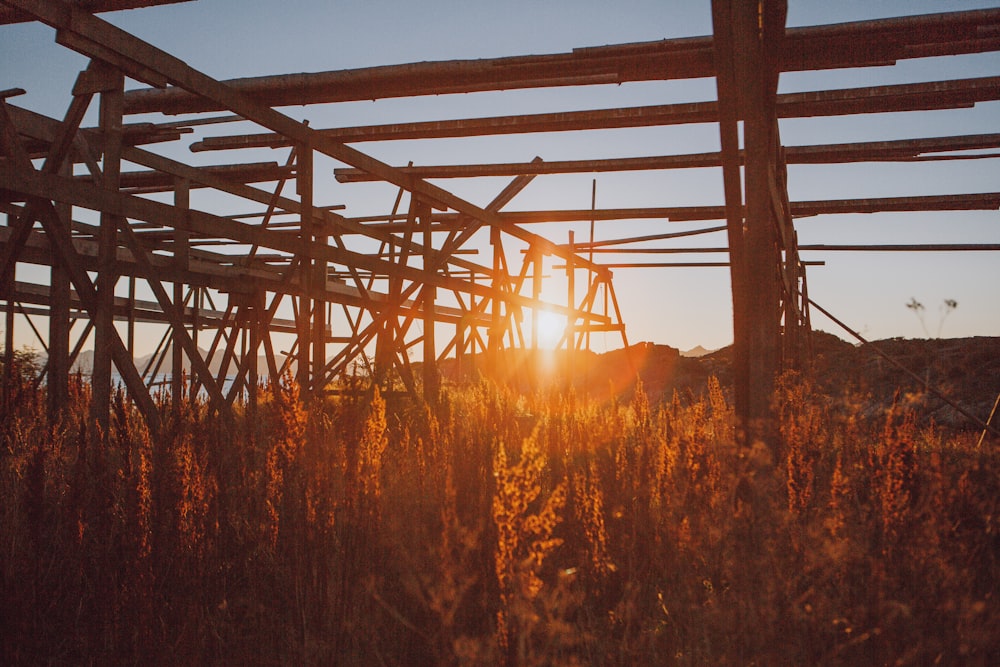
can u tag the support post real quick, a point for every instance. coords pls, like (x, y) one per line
(304, 186)
(571, 296)
(430, 370)
(58, 369)
(460, 346)
(257, 334)
(107, 244)
(182, 201)
(534, 257)
(747, 39)
(8, 341)
(319, 313)
(495, 339)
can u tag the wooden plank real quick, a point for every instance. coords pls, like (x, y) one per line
(866, 43)
(869, 151)
(958, 93)
(9, 15)
(825, 247)
(111, 105)
(59, 323)
(158, 181)
(182, 261)
(727, 94)
(984, 201)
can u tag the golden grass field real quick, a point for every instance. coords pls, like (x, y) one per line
(495, 528)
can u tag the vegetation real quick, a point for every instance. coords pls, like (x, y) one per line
(946, 308)
(493, 529)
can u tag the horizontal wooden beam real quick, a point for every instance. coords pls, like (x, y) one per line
(858, 44)
(985, 201)
(158, 181)
(138, 309)
(869, 151)
(900, 247)
(959, 93)
(677, 265)
(10, 15)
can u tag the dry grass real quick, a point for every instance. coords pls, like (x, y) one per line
(491, 529)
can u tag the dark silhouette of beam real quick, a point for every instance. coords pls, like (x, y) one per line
(857, 44)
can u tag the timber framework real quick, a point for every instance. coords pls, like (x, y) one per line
(373, 291)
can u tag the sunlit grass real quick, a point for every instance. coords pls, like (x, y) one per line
(493, 528)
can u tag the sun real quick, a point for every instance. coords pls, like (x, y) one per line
(551, 327)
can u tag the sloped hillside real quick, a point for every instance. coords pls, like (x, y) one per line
(966, 370)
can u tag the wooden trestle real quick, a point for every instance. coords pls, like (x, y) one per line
(297, 256)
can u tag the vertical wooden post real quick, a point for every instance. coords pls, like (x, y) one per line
(196, 300)
(319, 274)
(304, 186)
(430, 370)
(570, 334)
(58, 373)
(590, 255)
(534, 256)
(765, 25)
(8, 143)
(107, 245)
(729, 115)
(256, 317)
(459, 346)
(8, 341)
(182, 201)
(495, 339)
(746, 41)
(130, 317)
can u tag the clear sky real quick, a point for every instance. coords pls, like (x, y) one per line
(678, 307)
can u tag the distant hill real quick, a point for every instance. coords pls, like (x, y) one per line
(697, 351)
(967, 370)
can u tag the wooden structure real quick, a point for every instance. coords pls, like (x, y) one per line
(404, 282)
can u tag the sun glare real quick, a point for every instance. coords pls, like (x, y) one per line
(550, 329)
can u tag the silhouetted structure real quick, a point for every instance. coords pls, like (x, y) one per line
(419, 283)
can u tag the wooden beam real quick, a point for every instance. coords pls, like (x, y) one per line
(182, 261)
(879, 42)
(878, 247)
(107, 244)
(959, 93)
(9, 15)
(984, 201)
(902, 150)
(158, 181)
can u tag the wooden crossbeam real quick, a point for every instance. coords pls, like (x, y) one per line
(953, 94)
(984, 201)
(902, 150)
(858, 44)
(10, 15)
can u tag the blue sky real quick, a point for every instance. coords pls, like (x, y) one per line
(683, 308)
